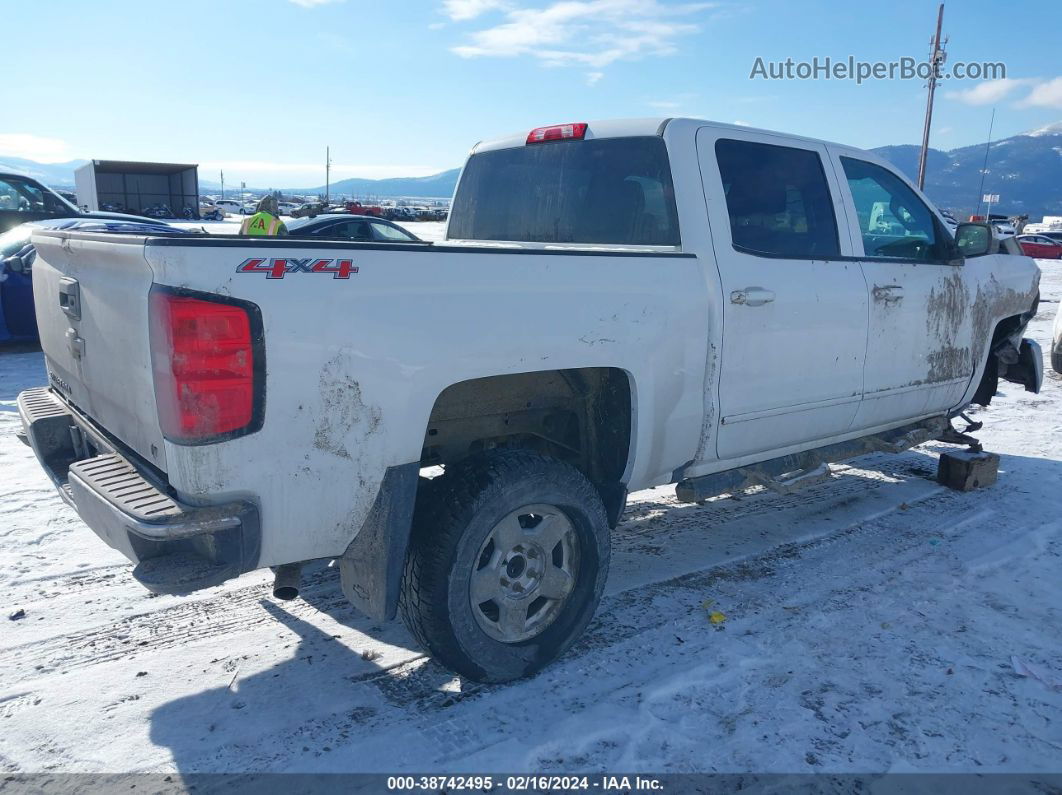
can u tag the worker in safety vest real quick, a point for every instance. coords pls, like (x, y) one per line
(265, 221)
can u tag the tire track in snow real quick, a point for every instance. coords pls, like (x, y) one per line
(423, 698)
(202, 621)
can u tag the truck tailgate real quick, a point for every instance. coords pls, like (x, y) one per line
(91, 293)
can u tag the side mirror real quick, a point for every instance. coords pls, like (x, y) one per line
(974, 240)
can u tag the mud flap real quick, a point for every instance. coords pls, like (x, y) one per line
(1028, 370)
(371, 569)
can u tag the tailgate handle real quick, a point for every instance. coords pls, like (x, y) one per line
(70, 297)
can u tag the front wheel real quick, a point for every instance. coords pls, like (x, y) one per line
(507, 563)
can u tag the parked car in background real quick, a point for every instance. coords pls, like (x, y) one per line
(399, 214)
(357, 208)
(17, 320)
(1040, 246)
(287, 208)
(249, 207)
(342, 226)
(309, 210)
(24, 199)
(229, 206)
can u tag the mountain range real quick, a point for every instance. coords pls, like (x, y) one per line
(1025, 170)
(439, 186)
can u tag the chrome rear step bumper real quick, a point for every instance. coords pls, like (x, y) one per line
(178, 548)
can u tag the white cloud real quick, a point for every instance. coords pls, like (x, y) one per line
(460, 10)
(313, 3)
(593, 77)
(592, 33)
(988, 92)
(1045, 95)
(35, 147)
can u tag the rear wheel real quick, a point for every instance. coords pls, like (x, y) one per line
(1056, 362)
(507, 563)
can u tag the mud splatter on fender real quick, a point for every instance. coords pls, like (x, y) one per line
(344, 414)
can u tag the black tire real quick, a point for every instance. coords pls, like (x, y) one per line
(454, 518)
(1056, 362)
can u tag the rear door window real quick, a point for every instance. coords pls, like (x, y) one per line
(607, 191)
(778, 200)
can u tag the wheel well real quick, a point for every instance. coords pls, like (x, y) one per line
(989, 383)
(582, 416)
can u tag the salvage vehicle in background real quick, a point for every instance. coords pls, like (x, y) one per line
(1040, 246)
(616, 305)
(24, 199)
(309, 210)
(17, 318)
(229, 206)
(341, 226)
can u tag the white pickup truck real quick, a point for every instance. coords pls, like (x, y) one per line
(616, 305)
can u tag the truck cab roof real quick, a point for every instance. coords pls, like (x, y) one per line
(635, 127)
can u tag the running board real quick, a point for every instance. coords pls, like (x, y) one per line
(788, 473)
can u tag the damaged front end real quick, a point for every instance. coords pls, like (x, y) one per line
(1012, 357)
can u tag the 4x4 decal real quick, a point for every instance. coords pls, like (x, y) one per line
(277, 268)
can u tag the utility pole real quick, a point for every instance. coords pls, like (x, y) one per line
(984, 168)
(936, 59)
(328, 171)
(223, 183)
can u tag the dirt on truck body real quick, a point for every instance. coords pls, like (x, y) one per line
(617, 305)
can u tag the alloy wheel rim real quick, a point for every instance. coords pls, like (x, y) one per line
(525, 573)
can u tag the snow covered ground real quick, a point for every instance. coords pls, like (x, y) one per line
(877, 622)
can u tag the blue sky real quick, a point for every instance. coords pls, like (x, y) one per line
(403, 89)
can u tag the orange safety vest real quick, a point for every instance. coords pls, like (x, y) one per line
(262, 224)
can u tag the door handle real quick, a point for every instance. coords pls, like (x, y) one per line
(752, 296)
(888, 293)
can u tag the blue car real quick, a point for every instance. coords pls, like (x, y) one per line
(17, 318)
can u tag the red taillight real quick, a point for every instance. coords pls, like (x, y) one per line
(557, 132)
(203, 360)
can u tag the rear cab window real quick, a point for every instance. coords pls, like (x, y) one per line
(611, 191)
